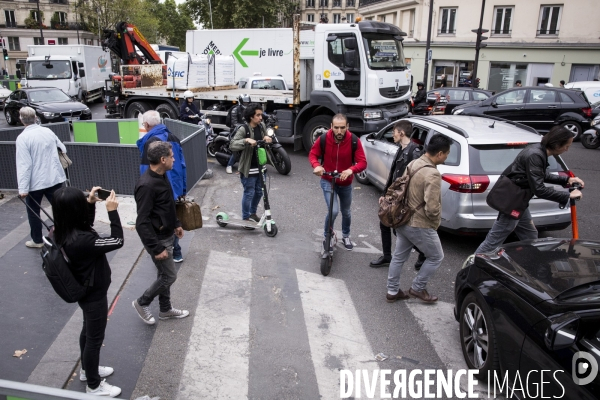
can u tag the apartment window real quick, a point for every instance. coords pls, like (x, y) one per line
(337, 3)
(62, 17)
(13, 44)
(447, 20)
(337, 18)
(63, 40)
(38, 41)
(310, 3)
(549, 20)
(310, 17)
(350, 3)
(502, 20)
(350, 18)
(323, 3)
(35, 15)
(9, 16)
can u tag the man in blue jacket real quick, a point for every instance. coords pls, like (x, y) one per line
(177, 176)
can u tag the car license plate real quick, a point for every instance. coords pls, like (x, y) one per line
(67, 119)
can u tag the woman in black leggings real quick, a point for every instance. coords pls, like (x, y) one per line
(73, 218)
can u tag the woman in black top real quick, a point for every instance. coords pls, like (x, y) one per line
(73, 218)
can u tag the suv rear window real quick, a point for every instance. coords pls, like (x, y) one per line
(493, 159)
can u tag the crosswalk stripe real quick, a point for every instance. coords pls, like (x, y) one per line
(217, 363)
(335, 333)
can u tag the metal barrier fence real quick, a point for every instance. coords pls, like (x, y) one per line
(61, 129)
(27, 391)
(111, 165)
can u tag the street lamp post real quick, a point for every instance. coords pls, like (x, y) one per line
(77, 23)
(426, 70)
(40, 21)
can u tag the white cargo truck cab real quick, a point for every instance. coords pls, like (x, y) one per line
(78, 70)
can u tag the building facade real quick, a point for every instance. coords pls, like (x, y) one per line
(20, 28)
(335, 11)
(534, 41)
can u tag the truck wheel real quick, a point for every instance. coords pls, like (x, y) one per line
(136, 108)
(166, 111)
(315, 128)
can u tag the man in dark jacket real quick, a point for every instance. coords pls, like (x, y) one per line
(407, 151)
(177, 175)
(529, 171)
(421, 95)
(338, 157)
(156, 223)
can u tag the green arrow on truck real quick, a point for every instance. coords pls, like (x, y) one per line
(238, 53)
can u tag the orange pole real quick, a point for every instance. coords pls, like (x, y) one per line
(575, 226)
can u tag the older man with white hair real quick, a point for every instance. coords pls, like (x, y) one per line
(39, 172)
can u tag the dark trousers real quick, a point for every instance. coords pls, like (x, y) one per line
(166, 275)
(386, 242)
(95, 315)
(35, 225)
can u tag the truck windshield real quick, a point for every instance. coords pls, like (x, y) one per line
(48, 70)
(384, 52)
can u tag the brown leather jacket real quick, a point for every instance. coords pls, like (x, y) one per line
(425, 186)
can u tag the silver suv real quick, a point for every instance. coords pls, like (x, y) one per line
(481, 149)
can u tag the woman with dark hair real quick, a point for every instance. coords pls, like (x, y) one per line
(529, 171)
(73, 219)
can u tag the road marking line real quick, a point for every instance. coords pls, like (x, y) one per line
(335, 333)
(217, 363)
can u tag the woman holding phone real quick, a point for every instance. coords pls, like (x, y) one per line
(74, 216)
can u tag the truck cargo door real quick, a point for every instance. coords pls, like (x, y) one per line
(342, 68)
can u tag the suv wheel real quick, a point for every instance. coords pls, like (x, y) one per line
(573, 127)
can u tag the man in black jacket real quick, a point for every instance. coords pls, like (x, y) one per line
(156, 222)
(421, 95)
(407, 151)
(528, 171)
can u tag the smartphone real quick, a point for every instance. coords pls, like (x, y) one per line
(103, 194)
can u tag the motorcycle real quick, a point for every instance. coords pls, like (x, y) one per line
(430, 106)
(277, 154)
(591, 138)
(205, 122)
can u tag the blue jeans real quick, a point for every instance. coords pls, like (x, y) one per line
(504, 226)
(345, 201)
(252, 194)
(233, 159)
(35, 225)
(425, 239)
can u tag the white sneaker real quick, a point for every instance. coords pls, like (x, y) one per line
(34, 245)
(104, 389)
(229, 170)
(102, 371)
(173, 313)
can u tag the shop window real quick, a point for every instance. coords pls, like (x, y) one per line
(504, 75)
(502, 20)
(549, 23)
(447, 20)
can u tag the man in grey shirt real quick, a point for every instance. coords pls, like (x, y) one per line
(39, 172)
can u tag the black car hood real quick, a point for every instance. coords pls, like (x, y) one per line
(60, 107)
(547, 267)
(469, 104)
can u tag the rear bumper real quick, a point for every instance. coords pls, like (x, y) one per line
(470, 224)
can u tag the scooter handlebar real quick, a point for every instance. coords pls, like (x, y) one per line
(575, 186)
(333, 174)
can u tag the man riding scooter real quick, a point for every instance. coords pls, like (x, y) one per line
(188, 111)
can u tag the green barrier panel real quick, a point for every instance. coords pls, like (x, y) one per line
(85, 132)
(129, 132)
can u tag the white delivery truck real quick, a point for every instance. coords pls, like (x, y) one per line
(335, 68)
(78, 70)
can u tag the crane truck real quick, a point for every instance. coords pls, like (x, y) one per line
(357, 69)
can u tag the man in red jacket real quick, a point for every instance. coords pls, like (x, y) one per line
(338, 157)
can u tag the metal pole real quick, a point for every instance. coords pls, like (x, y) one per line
(426, 71)
(99, 35)
(77, 25)
(210, 10)
(475, 64)
(40, 21)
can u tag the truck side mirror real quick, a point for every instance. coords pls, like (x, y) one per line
(18, 74)
(349, 59)
(82, 73)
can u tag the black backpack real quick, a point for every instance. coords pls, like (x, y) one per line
(57, 267)
(324, 139)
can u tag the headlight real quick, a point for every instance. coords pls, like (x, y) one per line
(49, 114)
(207, 121)
(270, 132)
(372, 114)
(459, 111)
(86, 111)
(469, 261)
(595, 122)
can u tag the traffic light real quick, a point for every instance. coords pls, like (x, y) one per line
(5, 52)
(480, 38)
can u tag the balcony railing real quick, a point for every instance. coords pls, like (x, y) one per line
(362, 3)
(82, 26)
(446, 31)
(544, 32)
(59, 25)
(11, 24)
(501, 32)
(58, 1)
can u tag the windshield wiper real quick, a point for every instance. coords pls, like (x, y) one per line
(401, 68)
(586, 288)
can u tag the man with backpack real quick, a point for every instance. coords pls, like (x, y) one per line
(338, 150)
(424, 198)
(407, 151)
(235, 117)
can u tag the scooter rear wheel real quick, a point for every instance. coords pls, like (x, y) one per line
(220, 222)
(326, 265)
(273, 232)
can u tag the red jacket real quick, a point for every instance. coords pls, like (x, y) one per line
(338, 156)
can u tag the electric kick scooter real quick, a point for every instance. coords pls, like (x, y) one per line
(266, 222)
(327, 254)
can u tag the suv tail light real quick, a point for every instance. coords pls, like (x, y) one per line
(467, 183)
(587, 111)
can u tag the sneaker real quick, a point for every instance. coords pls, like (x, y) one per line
(34, 245)
(173, 313)
(102, 371)
(104, 389)
(382, 261)
(254, 218)
(347, 243)
(144, 313)
(177, 259)
(229, 170)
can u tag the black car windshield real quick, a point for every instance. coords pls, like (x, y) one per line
(47, 96)
(48, 70)
(384, 52)
(493, 159)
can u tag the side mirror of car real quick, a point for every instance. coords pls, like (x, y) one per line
(562, 332)
(494, 104)
(371, 138)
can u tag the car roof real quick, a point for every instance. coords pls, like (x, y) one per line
(38, 88)
(479, 130)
